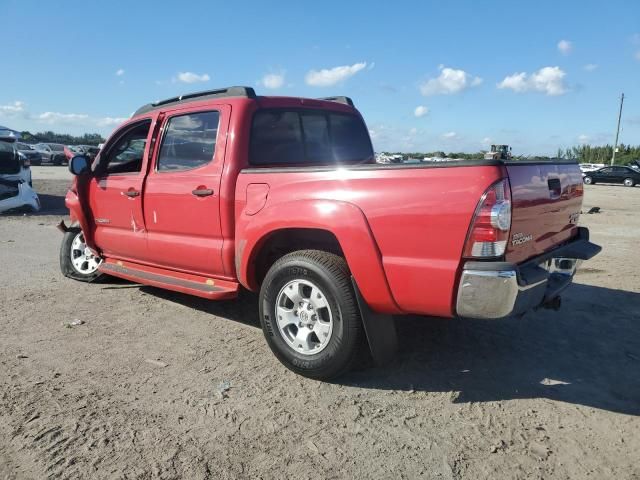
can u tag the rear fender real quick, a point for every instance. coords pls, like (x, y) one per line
(344, 220)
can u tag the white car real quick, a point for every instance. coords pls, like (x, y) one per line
(590, 167)
(15, 177)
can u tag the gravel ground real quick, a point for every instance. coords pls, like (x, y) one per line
(156, 384)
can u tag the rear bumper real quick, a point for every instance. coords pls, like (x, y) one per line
(500, 289)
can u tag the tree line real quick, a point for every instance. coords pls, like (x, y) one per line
(581, 153)
(601, 154)
(64, 138)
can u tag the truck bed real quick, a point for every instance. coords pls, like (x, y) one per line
(419, 214)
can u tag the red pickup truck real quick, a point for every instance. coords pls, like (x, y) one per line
(214, 191)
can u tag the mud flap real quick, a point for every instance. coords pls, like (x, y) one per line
(380, 329)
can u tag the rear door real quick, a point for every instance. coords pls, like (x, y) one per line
(115, 192)
(604, 175)
(619, 174)
(546, 202)
(182, 191)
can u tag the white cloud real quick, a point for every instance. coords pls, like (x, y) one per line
(109, 121)
(413, 131)
(119, 72)
(57, 117)
(449, 135)
(12, 108)
(190, 77)
(332, 76)
(420, 111)
(273, 80)
(583, 139)
(449, 81)
(590, 67)
(486, 141)
(60, 121)
(565, 47)
(548, 80)
(637, 55)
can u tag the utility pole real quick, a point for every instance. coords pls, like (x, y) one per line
(615, 147)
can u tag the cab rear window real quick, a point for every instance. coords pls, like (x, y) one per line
(283, 137)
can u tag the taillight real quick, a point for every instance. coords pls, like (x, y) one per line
(489, 232)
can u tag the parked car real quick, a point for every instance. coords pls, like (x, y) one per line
(15, 177)
(282, 196)
(89, 150)
(71, 151)
(590, 167)
(628, 176)
(51, 152)
(29, 153)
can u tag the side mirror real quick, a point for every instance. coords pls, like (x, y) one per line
(79, 165)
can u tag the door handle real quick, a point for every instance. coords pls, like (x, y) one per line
(131, 193)
(202, 192)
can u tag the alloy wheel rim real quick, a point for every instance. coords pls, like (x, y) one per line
(304, 317)
(82, 259)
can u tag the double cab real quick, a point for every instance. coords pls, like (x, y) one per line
(211, 192)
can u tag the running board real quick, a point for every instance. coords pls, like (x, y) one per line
(210, 288)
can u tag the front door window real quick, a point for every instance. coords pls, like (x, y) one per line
(126, 154)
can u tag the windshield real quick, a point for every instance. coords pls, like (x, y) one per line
(57, 148)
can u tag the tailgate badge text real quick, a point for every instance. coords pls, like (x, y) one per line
(520, 238)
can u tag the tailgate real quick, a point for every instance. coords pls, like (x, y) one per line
(546, 202)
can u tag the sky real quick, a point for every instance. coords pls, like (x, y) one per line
(426, 75)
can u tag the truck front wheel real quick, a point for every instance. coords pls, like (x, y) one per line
(309, 314)
(76, 260)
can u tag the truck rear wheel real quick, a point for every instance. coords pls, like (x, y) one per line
(309, 314)
(76, 260)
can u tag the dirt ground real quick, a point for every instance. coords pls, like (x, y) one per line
(138, 390)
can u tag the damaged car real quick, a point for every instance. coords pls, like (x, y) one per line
(16, 192)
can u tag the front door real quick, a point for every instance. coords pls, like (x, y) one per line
(182, 192)
(115, 192)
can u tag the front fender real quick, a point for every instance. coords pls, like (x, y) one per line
(75, 200)
(344, 220)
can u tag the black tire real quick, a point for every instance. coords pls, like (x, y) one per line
(588, 180)
(66, 266)
(629, 182)
(331, 274)
(57, 160)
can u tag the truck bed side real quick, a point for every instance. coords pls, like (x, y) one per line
(418, 217)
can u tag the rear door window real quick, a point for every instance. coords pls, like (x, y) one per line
(189, 141)
(308, 137)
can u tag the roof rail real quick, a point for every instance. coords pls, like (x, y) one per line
(340, 99)
(204, 95)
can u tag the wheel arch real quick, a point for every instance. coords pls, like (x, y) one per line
(333, 226)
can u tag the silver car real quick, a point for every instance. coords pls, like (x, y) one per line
(51, 152)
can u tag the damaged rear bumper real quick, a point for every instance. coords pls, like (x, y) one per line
(500, 289)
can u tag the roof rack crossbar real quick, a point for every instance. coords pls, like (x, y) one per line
(192, 97)
(339, 99)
